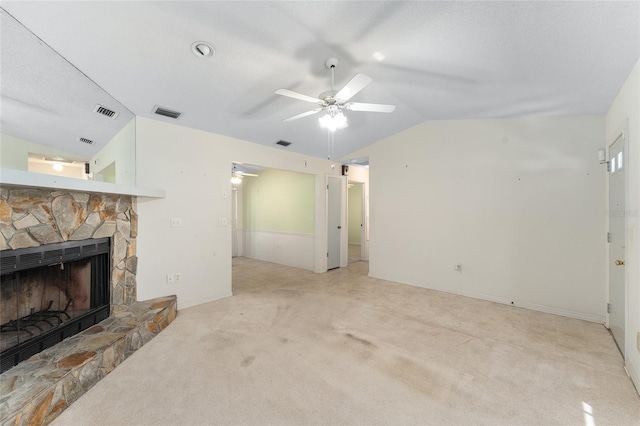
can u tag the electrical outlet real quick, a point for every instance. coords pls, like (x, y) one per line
(170, 278)
(178, 277)
(457, 267)
(223, 221)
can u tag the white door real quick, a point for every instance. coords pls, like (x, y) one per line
(334, 227)
(617, 294)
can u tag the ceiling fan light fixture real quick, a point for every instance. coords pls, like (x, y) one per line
(333, 121)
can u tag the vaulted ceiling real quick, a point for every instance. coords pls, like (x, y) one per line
(442, 60)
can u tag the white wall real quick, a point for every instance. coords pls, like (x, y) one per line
(518, 202)
(625, 111)
(121, 151)
(194, 167)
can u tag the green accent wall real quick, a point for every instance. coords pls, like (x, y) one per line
(279, 201)
(355, 213)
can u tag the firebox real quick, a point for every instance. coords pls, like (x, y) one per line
(49, 293)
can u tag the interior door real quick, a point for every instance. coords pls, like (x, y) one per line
(334, 227)
(616, 238)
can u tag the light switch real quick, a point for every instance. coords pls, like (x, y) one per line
(223, 221)
(176, 222)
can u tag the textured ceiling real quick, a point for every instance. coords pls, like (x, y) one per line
(443, 60)
(48, 101)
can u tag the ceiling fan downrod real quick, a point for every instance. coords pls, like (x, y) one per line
(331, 63)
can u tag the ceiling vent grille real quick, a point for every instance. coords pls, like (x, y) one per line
(283, 143)
(105, 111)
(85, 140)
(167, 112)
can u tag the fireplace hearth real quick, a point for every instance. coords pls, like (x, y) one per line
(49, 293)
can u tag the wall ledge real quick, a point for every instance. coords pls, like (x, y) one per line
(11, 177)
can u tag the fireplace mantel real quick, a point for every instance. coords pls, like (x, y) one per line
(10, 177)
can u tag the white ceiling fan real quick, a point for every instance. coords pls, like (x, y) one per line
(334, 102)
(237, 174)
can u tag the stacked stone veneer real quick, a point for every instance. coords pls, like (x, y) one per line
(34, 217)
(37, 390)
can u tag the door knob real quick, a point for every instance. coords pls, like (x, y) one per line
(619, 262)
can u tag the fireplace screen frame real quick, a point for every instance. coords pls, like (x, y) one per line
(99, 252)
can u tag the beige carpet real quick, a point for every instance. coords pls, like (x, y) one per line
(297, 348)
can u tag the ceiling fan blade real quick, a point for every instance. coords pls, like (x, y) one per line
(358, 106)
(357, 83)
(304, 114)
(299, 96)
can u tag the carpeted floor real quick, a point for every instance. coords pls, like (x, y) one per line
(297, 348)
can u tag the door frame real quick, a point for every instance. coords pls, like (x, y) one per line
(621, 131)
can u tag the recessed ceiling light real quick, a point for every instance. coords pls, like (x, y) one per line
(378, 56)
(202, 49)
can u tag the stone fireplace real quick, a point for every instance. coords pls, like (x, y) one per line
(36, 217)
(45, 223)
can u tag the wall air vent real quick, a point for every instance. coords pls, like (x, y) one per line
(283, 143)
(166, 112)
(85, 140)
(105, 111)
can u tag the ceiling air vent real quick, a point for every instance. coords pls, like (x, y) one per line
(105, 111)
(167, 112)
(85, 140)
(283, 143)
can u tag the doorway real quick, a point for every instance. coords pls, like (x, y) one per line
(616, 238)
(356, 221)
(334, 225)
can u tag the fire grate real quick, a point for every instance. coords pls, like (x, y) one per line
(35, 320)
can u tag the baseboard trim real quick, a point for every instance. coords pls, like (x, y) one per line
(490, 298)
(202, 300)
(633, 375)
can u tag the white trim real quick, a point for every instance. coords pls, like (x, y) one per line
(284, 248)
(297, 234)
(489, 298)
(633, 375)
(201, 300)
(39, 180)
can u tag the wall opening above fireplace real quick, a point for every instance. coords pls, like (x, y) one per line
(49, 293)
